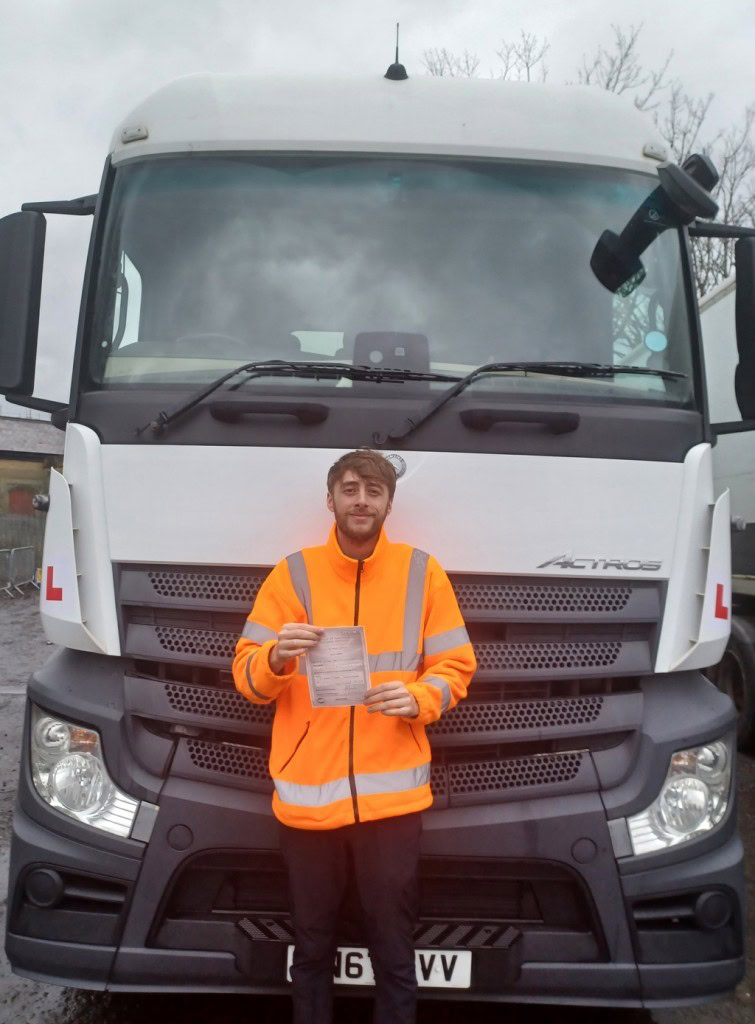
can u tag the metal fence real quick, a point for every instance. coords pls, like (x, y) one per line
(5, 583)
(22, 531)
(18, 569)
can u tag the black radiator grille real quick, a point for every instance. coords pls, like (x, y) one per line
(501, 598)
(483, 718)
(202, 643)
(216, 704)
(525, 628)
(230, 759)
(463, 776)
(559, 664)
(497, 657)
(207, 586)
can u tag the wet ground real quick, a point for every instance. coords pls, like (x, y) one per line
(23, 647)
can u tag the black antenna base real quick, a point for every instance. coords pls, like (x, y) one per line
(396, 73)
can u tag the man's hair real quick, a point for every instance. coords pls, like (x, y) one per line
(368, 465)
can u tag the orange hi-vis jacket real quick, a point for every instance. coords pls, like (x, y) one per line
(334, 766)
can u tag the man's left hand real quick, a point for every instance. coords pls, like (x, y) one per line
(391, 699)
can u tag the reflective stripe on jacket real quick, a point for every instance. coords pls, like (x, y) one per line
(334, 766)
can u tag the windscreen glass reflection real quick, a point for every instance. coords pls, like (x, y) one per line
(214, 261)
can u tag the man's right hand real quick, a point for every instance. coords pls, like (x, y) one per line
(294, 639)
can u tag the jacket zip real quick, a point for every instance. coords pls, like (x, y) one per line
(352, 780)
(293, 752)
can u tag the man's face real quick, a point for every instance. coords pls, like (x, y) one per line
(360, 506)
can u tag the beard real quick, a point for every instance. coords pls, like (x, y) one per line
(367, 530)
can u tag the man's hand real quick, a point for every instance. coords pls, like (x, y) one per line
(391, 699)
(295, 638)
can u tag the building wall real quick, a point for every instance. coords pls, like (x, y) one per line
(20, 480)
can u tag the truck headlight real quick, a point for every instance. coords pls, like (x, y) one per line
(69, 774)
(693, 799)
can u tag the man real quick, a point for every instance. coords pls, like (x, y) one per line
(350, 781)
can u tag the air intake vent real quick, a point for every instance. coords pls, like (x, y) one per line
(466, 782)
(560, 598)
(521, 627)
(207, 587)
(204, 643)
(489, 776)
(483, 718)
(243, 762)
(456, 782)
(207, 703)
(498, 657)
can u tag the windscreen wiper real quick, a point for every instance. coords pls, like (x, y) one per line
(290, 368)
(560, 369)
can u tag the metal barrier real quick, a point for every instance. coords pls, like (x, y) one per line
(5, 576)
(22, 568)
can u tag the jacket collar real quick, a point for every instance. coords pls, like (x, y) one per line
(347, 567)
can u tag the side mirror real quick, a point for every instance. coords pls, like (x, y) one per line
(744, 318)
(679, 199)
(22, 246)
(744, 375)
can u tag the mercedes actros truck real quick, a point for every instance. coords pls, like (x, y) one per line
(733, 470)
(490, 283)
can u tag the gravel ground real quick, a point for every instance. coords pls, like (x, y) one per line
(23, 648)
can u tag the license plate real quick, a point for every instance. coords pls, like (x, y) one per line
(435, 968)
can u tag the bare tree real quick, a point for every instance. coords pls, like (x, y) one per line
(619, 69)
(442, 63)
(680, 117)
(733, 153)
(682, 121)
(523, 59)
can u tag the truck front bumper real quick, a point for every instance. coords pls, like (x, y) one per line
(145, 941)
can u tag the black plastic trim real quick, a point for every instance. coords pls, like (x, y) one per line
(608, 429)
(696, 335)
(91, 273)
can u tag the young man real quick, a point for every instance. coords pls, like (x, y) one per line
(350, 781)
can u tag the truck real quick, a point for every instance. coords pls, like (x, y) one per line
(733, 470)
(490, 283)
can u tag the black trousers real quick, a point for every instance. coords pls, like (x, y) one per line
(384, 854)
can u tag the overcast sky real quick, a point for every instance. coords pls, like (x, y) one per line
(71, 69)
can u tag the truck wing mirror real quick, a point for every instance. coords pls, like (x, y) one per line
(744, 317)
(681, 197)
(22, 247)
(744, 375)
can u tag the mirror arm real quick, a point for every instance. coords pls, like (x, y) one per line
(699, 229)
(733, 427)
(28, 402)
(81, 207)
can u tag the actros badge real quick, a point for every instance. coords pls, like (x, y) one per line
(398, 464)
(628, 565)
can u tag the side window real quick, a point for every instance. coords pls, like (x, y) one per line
(128, 304)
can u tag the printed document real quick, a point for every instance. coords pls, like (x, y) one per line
(337, 668)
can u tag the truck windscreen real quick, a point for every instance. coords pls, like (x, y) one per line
(433, 265)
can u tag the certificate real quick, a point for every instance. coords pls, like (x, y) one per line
(337, 668)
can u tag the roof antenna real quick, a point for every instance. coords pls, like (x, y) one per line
(396, 72)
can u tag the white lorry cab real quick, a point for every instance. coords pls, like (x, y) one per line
(490, 283)
(733, 470)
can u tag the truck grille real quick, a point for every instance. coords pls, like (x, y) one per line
(520, 628)
(559, 664)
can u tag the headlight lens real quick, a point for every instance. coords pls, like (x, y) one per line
(69, 774)
(693, 799)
